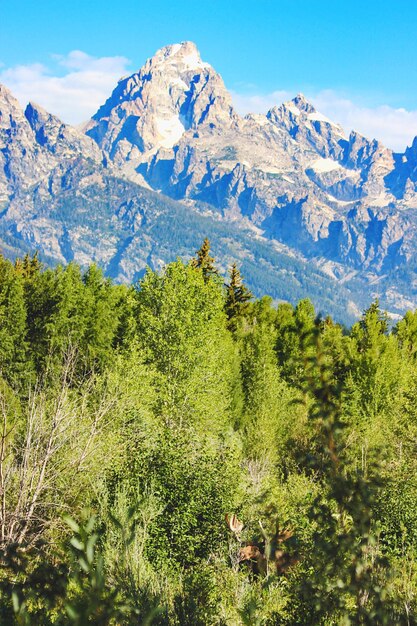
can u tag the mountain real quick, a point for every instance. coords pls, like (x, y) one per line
(305, 209)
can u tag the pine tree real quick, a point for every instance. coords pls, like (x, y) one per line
(406, 333)
(237, 297)
(375, 384)
(292, 325)
(28, 266)
(101, 317)
(204, 261)
(372, 324)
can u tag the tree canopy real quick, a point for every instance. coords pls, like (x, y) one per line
(178, 452)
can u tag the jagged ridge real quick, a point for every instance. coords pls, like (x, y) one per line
(291, 175)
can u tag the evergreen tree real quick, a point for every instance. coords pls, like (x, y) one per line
(292, 325)
(373, 324)
(406, 332)
(57, 305)
(237, 297)
(28, 266)
(374, 386)
(101, 318)
(204, 261)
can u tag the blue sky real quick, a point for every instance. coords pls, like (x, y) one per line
(356, 60)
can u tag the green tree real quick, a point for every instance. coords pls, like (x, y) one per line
(194, 480)
(102, 313)
(237, 297)
(374, 386)
(348, 581)
(29, 265)
(293, 323)
(267, 397)
(204, 261)
(182, 329)
(56, 306)
(406, 332)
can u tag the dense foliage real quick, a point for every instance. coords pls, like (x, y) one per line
(175, 452)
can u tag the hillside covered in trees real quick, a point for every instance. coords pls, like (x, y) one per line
(178, 453)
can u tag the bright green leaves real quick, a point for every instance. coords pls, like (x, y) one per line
(182, 329)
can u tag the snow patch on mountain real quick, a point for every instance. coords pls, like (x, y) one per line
(176, 47)
(193, 61)
(318, 117)
(179, 82)
(293, 109)
(170, 130)
(324, 165)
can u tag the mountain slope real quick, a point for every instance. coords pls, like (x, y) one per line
(307, 210)
(347, 202)
(292, 172)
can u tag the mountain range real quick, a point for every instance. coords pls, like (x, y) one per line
(304, 209)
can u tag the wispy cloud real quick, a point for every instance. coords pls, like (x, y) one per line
(73, 87)
(396, 128)
(256, 103)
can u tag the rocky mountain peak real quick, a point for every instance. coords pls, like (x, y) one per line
(411, 152)
(302, 104)
(34, 112)
(41, 122)
(362, 152)
(175, 91)
(21, 162)
(11, 112)
(6, 97)
(185, 56)
(59, 138)
(306, 125)
(299, 108)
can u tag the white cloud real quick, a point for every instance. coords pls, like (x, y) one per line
(73, 89)
(253, 103)
(396, 128)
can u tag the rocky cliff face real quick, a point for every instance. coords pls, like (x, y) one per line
(34, 142)
(22, 162)
(345, 205)
(40, 158)
(173, 93)
(292, 172)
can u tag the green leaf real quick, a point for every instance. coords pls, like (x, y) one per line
(90, 524)
(72, 613)
(72, 524)
(16, 602)
(84, 564)
(78, 545)
(92, 540)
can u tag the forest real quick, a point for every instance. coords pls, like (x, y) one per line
(177, 452)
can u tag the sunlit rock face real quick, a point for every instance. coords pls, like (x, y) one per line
(173, 93)
(292, 172)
